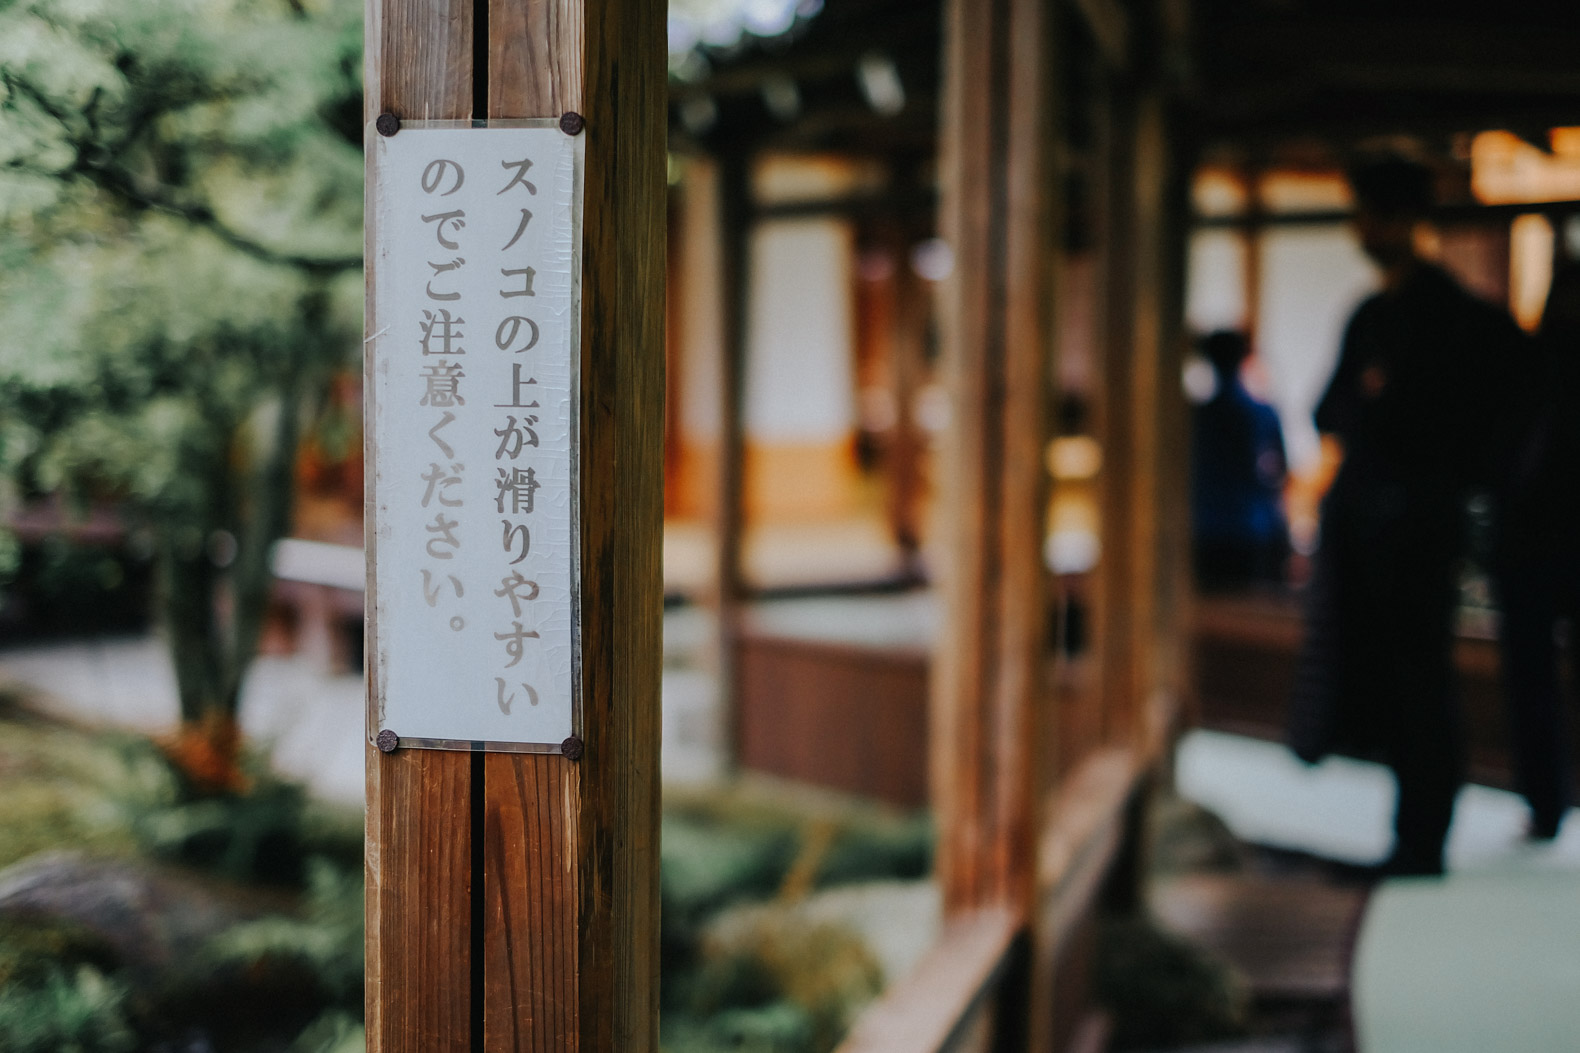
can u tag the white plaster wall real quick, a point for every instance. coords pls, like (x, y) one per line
(800, 383)
(1215, 297)
(1312, 279)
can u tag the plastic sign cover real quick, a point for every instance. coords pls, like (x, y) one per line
(473, 349)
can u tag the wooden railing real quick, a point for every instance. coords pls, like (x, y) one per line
(942, 1004)
(931, 1010)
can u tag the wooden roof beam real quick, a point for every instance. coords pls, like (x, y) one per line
(1110, 27)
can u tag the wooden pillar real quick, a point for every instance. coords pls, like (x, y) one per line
(1253, 237)
(1141, 415)
(910, 315)
(1117, 621)
(997, 215)
(512, 899)
(1174, 158)
(735, 220)
(1147, 395)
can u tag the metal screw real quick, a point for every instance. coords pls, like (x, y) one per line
(387, 124)
(572, 123)
(387, 741)
(572, 748)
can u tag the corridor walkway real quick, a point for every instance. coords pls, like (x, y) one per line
(1486, 959)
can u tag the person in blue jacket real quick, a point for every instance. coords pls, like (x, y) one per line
(1239, 534)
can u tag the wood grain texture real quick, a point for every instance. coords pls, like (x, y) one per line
(964, 143)
(532, 803)
(622, 486)
(579, 941)
(418, 64)
(568, 890)
(996, 334)
(834, 714)
(535, 57)
(530, 903)
(419, 60)
(1030, 239)
(419, 906)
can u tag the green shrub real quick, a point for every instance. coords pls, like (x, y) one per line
(755, 842)
(334, 1032)
(32, 950)
(268, 834)
(777, 1027)
(76, 1011)
(324, 945)
(60, 785)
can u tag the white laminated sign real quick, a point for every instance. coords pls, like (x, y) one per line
(474, 344)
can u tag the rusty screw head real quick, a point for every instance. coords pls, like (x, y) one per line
(572, 123)
(387, 124)
(572, 748)
(387, 741)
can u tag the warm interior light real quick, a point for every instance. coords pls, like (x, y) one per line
(1218, 192)
(1505, 169)
(1530, 268)
(1295, 191)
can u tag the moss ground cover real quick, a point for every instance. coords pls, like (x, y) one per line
(135, 916)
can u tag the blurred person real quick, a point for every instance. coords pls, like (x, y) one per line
(1239, 535)
(1413, 403)
(1536, 564)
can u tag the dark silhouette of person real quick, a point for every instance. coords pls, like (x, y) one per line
(1536, 555)
(1414, 402)
(1239, 533)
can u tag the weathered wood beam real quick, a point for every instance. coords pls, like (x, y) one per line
(1456, 214)
(930, 1009)
(729, 511)
(420, 829)
(1109, 24)
(575, 964)
(513, 898)
(997, 215)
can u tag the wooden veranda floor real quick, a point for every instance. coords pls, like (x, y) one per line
(1290, 937)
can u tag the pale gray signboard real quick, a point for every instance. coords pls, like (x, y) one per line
(474, 343)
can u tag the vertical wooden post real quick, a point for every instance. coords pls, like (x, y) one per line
(1141, 421)
(1253, 236)
(907, 355)
(513, 898)
(997, 214)
(735, 219)
(1171, 540)
(1117, 620)
(420, 828)
(1141, 418)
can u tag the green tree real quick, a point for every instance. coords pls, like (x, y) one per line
(180, 254)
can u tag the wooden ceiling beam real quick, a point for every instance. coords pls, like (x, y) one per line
(1109, 25)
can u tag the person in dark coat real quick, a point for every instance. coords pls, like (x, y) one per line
(1536, 566)
(1239, 535)
(1413, 403)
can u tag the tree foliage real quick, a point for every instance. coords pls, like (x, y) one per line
(180, 253)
